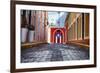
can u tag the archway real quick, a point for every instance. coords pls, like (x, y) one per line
(58, 36)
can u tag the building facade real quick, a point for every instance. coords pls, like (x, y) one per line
(77, 28)
(33, 26)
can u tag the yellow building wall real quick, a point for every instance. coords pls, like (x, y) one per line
(77, 22)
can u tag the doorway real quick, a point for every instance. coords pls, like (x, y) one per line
(58, 37)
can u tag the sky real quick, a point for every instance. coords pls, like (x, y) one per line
(57, 19)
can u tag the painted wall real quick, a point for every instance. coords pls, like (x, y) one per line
(78, 28)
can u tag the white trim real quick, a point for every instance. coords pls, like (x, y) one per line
(52, 64)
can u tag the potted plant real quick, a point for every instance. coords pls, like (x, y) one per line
(31, 29)
(24, 27)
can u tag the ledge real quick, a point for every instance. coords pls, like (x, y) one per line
(29, 45)
(80, 43)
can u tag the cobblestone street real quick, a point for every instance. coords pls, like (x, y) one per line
(53, 52)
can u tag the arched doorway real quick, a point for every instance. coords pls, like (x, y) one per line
(58, 36)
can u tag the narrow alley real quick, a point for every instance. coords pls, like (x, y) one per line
(48, 36)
